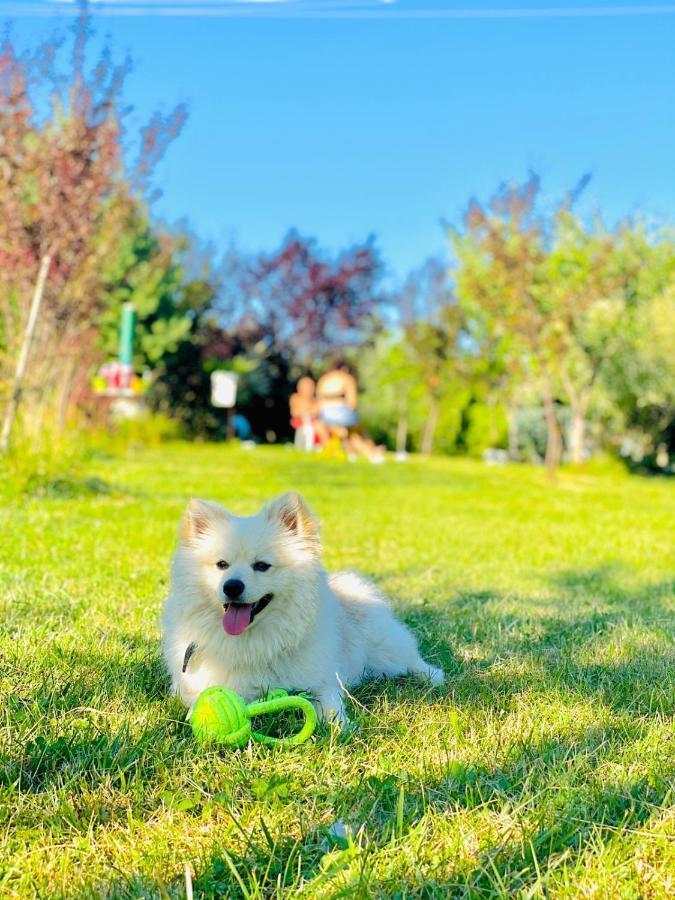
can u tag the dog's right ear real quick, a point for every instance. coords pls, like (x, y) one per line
(201, 516)
(295, 517)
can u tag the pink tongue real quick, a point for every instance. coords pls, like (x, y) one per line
(237, 618)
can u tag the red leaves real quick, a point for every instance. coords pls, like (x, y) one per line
(59, 173)
(306, 298)
(65, 190)
(155, 138)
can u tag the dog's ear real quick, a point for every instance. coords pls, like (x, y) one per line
(200, 518)
(295, 516)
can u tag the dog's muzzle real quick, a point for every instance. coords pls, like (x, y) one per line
(256, 608)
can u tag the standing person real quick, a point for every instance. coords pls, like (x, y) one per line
(303, 411)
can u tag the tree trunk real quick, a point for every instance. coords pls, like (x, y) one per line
(514, 438)
(553, 439)
(578, 400)
(578, 434)
(64, 393)
(402, 433)
(430, 428)
(22, 362)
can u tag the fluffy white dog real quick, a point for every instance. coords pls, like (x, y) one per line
(251, 608)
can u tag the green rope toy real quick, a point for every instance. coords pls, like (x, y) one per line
(221, 716)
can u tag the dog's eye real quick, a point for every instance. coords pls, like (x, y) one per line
(261, 566)
(222, 564)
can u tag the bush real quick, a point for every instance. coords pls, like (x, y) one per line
(145, 430)
(54, 463)
(602, 464)
(42, 465)
(484, 426)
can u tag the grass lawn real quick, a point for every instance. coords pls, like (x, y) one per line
(543, 768)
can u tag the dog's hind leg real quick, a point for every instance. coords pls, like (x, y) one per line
(396, 653)
(426, 670)
(413, 665)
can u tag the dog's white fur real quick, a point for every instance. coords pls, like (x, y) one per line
(319, 633)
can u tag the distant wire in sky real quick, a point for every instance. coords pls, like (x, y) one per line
(319, 9)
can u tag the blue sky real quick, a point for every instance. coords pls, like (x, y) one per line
(346, 117)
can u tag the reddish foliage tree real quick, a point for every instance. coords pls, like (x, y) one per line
(305, 300)
(63, 185)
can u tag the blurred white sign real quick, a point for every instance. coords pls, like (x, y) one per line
(223, 389)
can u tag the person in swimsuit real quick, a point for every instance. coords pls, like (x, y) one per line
(337, 401)
(336, 396)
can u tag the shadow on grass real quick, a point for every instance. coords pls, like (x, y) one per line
(546, 650)
(553, 647)
(60, 701)
(582, 810)
(549, 652)
(73, 487)
(390, 810)
(266, 866)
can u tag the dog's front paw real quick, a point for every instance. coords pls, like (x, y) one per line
(331, 709)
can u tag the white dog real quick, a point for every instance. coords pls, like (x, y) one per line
(251, 608)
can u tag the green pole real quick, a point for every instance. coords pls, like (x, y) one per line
(127, 333)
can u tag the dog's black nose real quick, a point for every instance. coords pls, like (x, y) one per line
(233, 588)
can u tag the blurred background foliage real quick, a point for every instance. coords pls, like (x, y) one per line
(541, 333)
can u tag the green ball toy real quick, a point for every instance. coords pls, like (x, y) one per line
(221, 716)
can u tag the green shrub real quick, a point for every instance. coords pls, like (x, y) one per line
(145, 430)
(602, 464)
(42, 464)
(484, 426)
(54, 463)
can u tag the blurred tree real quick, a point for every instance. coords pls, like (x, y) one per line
(502, 258)
(172, 282)
(392, 402)
(427, 369)
(290, 311)
(638, 380)
(395, 402)
(590, 275)
(539, 282)
(433, 329)
(147, 271)
(60, 172)
(307, 303)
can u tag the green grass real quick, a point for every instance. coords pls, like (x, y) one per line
(544, 767)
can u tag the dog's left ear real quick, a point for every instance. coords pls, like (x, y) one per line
(295, 516)
(201, 516)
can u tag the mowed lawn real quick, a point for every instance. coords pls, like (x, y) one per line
(543, 768)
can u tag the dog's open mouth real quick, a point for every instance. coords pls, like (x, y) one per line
(238, 616)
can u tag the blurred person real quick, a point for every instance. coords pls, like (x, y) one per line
(303, 413)
(242, 427)
(337, 401)
(359, 444)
